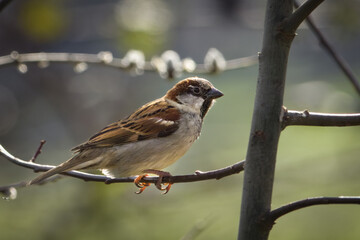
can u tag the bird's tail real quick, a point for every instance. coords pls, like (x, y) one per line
(64, 167)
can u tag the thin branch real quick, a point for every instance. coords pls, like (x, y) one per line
(134, 62)
(197, 176)
(341, 62)
(281, 211)
(300, 14)
(9, 191)
(38, 151)
(4, 3)
(307, 118)
(4, 189)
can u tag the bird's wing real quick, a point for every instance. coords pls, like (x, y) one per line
(156, 119)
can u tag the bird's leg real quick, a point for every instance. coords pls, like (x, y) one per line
(158, 183)
(140, 184)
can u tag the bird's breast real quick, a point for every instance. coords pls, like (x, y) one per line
(190, 126)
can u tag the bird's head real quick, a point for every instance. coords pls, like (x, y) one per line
(196, 94)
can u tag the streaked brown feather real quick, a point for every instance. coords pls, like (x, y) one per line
(155, 119)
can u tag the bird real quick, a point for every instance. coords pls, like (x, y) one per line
(148, 140)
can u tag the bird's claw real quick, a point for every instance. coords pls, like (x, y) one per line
(166, 189)
(140, 184)
(163, 187)
(159, 185)
(141, 190)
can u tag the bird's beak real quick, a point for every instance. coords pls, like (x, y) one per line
(214, 93)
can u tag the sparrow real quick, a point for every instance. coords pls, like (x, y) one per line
(149, 140)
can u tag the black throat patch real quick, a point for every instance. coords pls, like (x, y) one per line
(205, 107)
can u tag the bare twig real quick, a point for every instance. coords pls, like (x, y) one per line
(9, 191)
(135, 60)
(197, 176)
(307, 118)
(281, 211)
(300, 14)
(38, 151)
(4, 189)
(341, 62)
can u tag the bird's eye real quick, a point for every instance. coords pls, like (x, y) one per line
(196, 90)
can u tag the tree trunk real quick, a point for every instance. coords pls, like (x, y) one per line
(266, 125)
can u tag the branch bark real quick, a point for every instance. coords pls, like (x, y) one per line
(279, 31)
(281, 211)
(300, 14)
(197, 176)
(266, 127)
(306, 118)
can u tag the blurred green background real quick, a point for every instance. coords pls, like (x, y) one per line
(66, 108)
